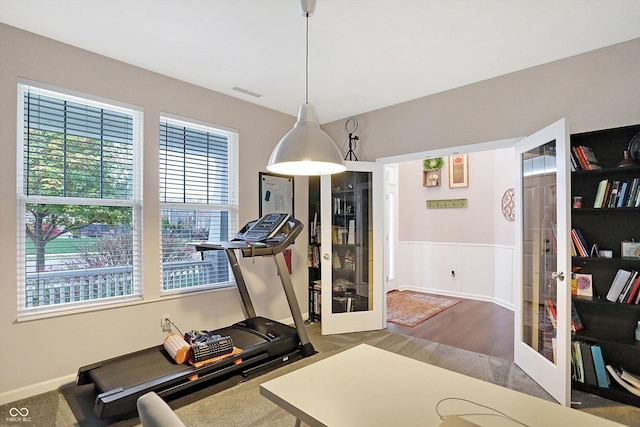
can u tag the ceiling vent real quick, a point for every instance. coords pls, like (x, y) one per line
(247, 92)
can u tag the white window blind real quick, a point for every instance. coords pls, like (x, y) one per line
(198, 200)
(79, 198)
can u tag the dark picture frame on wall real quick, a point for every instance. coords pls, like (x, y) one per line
(276, 193)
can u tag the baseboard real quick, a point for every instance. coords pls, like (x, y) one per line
(485, 298)
(35, 389)
(56, 383)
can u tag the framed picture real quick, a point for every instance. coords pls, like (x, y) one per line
(458, 171)
(276, 193)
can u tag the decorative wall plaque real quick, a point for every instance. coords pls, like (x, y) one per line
(446, 203)
(509, 204)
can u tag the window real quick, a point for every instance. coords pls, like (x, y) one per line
(199, 202)
(78, 201)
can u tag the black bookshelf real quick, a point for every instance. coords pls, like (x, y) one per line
(610, 325)
(315, 313)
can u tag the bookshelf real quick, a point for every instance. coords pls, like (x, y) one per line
(313, 252)
(609, 325)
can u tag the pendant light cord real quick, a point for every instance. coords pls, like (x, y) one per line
(306, 96)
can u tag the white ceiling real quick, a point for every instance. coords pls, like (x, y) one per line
(364, 54)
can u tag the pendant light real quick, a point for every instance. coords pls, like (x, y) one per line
(306, 149)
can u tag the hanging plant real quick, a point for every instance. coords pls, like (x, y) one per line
(433, 164)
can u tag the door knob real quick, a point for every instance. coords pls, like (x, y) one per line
(326, 257)
(557, 276)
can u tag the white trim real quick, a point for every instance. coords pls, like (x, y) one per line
(134, 202)
(197, 124)
(75, 96)
(37, 388)
(448, 151)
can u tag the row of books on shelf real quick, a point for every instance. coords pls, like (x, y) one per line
(625, 287)
(579, 245)
(618, 193)
(344, 235)
(588, 367)
(583, 158)
(313, 256)
(316, 300)
(576, 322)
(587, 363)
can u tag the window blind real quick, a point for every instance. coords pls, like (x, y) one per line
(198, 196)
(79, 201)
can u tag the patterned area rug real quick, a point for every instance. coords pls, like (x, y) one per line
(409, 308)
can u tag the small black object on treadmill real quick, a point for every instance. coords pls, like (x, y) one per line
(265, 343)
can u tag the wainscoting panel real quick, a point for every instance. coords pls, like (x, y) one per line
(481, 272)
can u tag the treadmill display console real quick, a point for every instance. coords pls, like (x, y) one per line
(265, 228)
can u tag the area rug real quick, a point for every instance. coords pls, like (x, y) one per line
(409, 308)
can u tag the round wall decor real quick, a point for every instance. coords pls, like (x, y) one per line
(509, 204)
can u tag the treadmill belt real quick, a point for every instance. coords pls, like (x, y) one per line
(143, 366)
(154, 363)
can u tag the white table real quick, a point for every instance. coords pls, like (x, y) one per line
(367, 386)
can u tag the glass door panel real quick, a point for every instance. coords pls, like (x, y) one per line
(352, 289)
(351, 242)
(543, 295)
(540, 253)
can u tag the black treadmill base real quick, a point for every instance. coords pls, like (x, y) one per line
(120, 381)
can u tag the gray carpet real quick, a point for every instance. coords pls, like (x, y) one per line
(243, 405)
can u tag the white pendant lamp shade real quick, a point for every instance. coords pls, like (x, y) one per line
(306, 149)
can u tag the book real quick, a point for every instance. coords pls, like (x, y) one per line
(623, 193)
(613, 194)
(627, 286)
(616, 376)
(578, 361)
(576, 322)
(589, 368)
(581, 160)
(633, 294)
(633, 192)
(580, 244)
(600, 193)
(617, 285)
(351, 240)
(584, 284)
(586, 158)
(590, 156)
(630, 378)
(598, 364)
(551, 313)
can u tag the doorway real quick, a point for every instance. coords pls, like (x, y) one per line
(413, 255)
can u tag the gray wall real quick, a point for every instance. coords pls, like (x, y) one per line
(52, 349)
(595, 90)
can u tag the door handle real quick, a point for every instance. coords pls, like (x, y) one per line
(557, 276)
(326, 257)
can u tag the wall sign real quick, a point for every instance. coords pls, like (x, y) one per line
(446, 203)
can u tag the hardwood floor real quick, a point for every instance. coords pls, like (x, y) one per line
(479, 326)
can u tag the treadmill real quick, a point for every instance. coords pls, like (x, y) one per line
(265, 343)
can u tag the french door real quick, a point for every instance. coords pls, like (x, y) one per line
(351, 214)
(543, 263)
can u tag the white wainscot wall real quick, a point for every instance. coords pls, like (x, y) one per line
(473, 271)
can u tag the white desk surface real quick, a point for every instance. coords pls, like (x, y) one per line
(367, 386)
